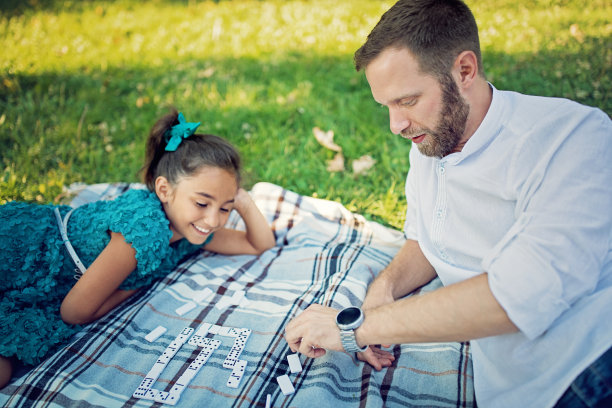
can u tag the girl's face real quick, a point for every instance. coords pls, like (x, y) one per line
(197, 205)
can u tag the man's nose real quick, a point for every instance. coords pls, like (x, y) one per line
(397, 121)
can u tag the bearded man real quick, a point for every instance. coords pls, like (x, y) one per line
(509, 204)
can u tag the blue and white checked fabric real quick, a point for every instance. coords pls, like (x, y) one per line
(324, 254)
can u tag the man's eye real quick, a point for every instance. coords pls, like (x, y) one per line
(408, 102)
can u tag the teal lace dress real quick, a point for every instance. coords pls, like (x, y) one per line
(36, 271)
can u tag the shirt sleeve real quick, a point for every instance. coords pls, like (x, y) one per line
(138, 216)
(554, 252)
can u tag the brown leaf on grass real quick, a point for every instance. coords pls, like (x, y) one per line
(363, 164)
(326, 139)
(336, 164)
(206, 73)
(576, 32)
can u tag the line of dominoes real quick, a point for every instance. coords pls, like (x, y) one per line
(146, 391)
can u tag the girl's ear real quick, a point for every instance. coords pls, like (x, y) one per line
(163, 189)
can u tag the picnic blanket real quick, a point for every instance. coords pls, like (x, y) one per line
(324, 254)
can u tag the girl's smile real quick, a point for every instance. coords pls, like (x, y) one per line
(198, 205)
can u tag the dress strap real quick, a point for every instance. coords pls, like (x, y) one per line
(63, 227)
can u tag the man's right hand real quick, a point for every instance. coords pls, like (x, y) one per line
(377, 357)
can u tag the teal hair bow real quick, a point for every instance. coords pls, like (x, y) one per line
(175, 135)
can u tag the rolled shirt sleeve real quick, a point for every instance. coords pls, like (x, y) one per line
(553, 253)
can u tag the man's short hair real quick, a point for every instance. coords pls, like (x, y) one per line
(434, 31)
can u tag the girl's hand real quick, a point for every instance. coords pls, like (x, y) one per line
(243, 201)
(257, 238)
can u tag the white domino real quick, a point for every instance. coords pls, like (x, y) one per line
(202, 295)
(195, 366)
(184, 335)
(233, 332)
(242, 335)
(294, 363)
(203, 329)
(268, 400)
(285, 384)
(155, 334)
(237, 297)
(151, 394)
(161, 396)
(237, 374)
(214, 329)
(196, 341)
(223, 303)
(225, 331)
(186, 308)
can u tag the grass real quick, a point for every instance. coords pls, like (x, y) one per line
(82, 82)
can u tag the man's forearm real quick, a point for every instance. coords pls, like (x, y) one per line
(463, 311)
(408, 271)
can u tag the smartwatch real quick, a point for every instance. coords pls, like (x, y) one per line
(348, 320)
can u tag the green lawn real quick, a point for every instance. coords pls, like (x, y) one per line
(82, 82)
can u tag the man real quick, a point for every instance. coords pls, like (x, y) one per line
(509, 203)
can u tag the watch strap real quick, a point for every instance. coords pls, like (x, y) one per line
(349, 343)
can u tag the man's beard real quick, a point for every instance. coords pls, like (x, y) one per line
(451, 123)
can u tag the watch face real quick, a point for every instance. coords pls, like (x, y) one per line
(348, 315)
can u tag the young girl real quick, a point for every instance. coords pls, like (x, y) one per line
(120, 245)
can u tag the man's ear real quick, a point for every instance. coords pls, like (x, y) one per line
(163, 189)
(465, 69)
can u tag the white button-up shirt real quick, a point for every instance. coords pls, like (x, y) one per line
(529, 201)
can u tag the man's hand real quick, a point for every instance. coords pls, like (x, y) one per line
(377, 357)
(378, 294)
(314, 331)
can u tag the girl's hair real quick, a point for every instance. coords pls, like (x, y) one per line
(193, 153)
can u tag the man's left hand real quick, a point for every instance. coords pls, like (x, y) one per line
(314, 331)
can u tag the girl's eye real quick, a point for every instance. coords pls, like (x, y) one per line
(203, 205)
(225, 210)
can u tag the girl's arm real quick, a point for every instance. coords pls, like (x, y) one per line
(96, 293)
(257, 238)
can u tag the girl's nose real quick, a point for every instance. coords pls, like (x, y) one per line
(212, 219)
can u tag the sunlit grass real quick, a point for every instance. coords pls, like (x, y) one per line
(82, 82)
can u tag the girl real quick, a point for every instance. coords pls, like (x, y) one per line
(121, 245)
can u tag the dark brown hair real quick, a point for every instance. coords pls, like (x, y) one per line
(434, 31)
(195, 152)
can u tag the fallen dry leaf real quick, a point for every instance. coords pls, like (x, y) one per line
(326, 139)
(363, 164)
(207, 73)
(576, 32)
(336, 164)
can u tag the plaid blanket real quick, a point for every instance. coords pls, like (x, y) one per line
(324, 254)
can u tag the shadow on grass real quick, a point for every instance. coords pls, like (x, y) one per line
(91, 125)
